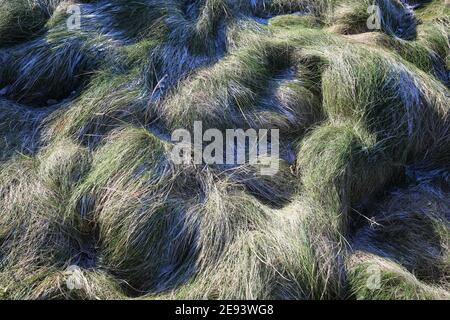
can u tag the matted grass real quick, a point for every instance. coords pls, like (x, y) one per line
(92, 205)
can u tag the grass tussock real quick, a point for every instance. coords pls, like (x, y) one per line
(92, 205)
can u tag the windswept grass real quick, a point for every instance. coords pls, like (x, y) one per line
(393, 17)
(259, 86)
(93, 206)
(20, 20)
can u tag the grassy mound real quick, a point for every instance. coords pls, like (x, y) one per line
(93, 206)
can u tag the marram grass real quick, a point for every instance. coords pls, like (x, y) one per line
(92, 205)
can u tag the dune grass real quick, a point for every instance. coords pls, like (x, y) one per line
(92, 205)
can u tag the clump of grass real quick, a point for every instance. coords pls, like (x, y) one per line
(294, 21)
(78, 284)
(71, 284)
(24, 20)
(35, 235)
(90, 196)
(111, 99)
(19, 129)
(395, 18)
(318, 8)
(274, 260)
(429, 52)
(411, 228)
(254, 87)
(55, 65)
(39, 236)
(433, 10)
(403, 106)
(62, 165)
(20, 20)
(130, 163)
(340, 164)
(275, 191)
(400, 248)
(395, 283)
(64, 60)
(192, 40)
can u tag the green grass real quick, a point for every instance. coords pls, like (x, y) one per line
(20, 20)
(434, 9)
(90, 195)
